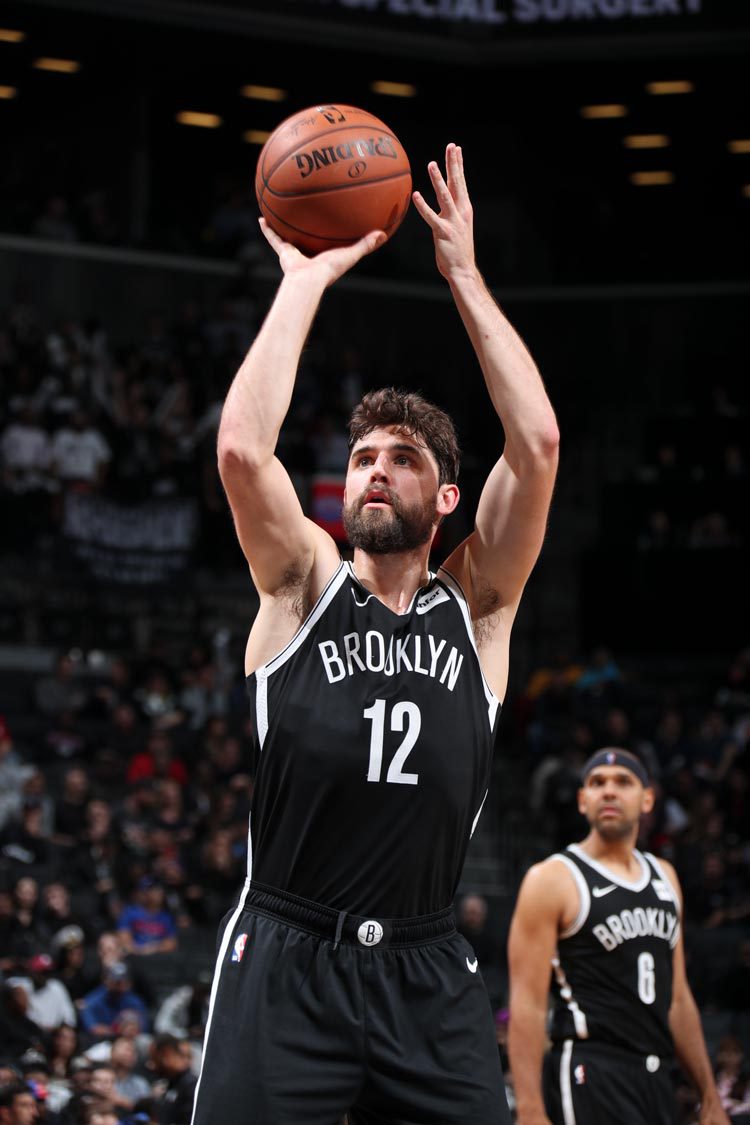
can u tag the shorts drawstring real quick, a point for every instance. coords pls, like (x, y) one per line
(339, 929)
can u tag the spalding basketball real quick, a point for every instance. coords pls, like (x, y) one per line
(329, 174)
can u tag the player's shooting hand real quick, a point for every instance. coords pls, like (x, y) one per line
(329, 264)
(453, 226)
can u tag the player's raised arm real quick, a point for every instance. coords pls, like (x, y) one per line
(542, 903)
(512, 514)
(278, 541)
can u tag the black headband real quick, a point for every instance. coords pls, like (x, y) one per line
(617, 758)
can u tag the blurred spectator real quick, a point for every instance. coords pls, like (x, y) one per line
(49, 1001)
(13, 774)
(24, 465)
(58, 917)
(103, 1008)
(600, 684)
(70, 806)
(28, 933)
(93, 864)
(171, 1059)
(733, 1078)
(63, 1048)
(18, 1105)
(658, 533)
(69, 950)
(18, 1032)
(144, 926)
(62, 690)
(711, 532)
(130, 1087)
(184, 1012)
(157, 761)
(80, 455)
(214, 877)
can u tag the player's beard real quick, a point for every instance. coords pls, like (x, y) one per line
(614, 830)
(385, 531)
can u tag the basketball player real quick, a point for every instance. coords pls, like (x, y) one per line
(606, 918)
(342, 984)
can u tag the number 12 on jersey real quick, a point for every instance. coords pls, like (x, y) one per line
(404, 717)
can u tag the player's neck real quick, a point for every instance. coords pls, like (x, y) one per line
(617, 854)
(393, 578)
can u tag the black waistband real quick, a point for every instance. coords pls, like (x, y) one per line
(365, 931)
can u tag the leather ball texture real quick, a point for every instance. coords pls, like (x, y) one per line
(329, 174)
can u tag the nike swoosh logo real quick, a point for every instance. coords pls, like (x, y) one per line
(600, 892)
(472, 965)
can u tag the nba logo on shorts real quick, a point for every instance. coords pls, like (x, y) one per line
(580, 1074)
(239, 947)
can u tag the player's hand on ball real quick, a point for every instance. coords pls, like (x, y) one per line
(332, 263)
(453, 226)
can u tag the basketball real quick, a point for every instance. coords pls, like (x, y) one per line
(329, 174)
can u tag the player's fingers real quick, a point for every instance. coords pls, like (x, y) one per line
(425, 210)
(371, 241)
(458, 177)
(442, 191)
(271, 236)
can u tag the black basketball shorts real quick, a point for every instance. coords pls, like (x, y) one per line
(595, 1084)
(316, 1014)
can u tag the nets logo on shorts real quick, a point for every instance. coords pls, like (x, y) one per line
(239, 947)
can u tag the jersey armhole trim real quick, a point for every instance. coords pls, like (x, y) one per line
(452, 584)
(656, 865)
(325, 599)
(584, 897)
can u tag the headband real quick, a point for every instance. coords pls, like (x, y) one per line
(617, 758)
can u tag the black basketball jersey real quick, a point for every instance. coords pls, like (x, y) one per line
(374, 734)
(612, 976)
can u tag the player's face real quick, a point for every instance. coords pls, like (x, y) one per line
(613, 801)
(393, 500)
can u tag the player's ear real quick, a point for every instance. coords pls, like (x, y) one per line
(448, 497)
(647, 803)
(582, 801)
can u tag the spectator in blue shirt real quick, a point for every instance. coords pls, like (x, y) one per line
(104, 1007)
(146, 926)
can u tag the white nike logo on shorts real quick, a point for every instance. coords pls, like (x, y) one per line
(472, 965)
(600, 892)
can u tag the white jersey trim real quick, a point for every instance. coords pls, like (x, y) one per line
(220, 960)
(640, 885)
(369, 594)
(479, 813)
(452, 584)
(325, 599)
(261, 705)
(584, 896)
(566, 1089)
(675, 897)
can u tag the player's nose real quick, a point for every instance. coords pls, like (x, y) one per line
(379, 470)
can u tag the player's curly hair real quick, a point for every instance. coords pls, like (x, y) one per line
(414, 415)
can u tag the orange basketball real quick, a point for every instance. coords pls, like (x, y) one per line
(329, 174)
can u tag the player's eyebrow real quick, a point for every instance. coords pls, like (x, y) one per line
(399, 447)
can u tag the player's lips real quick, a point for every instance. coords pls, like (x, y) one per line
(612, 810)
(377, 498)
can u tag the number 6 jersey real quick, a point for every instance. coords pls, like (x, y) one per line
(374, 733)
(612, 977)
